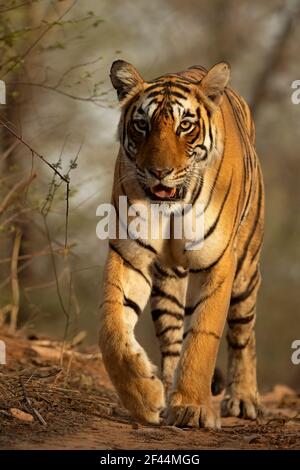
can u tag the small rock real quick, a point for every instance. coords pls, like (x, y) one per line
(21, 415)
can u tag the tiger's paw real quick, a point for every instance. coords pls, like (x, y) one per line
(140, 391)
(193, 416)
(245, 407)
(144, 398)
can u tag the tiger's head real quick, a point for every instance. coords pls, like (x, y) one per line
(170, 127)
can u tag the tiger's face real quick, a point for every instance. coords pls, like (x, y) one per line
(167, 131)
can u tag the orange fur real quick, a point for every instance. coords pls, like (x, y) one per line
(186, 134)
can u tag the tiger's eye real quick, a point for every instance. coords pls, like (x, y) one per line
(186, 126)
(140, 124)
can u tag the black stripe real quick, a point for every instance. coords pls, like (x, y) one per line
(254, 280)
(214, 263)
(250, 193)
(157, 292)
(174, 101)
(167, 329)
(210, 136)
(163, 273)
(196, 137)
(170, 353)
(154, 94)
(257, 250)
(173, 343)
(164, 84)
(250, 154)
(154, 100)
(188, 113)
(214, 225)
(115, 286)
(203, 128)
(234, 100)
(140, 111)
(129, 264)
(240, 321)
(208, 124)
(180, 274)
(214, 183)
(171, 112)
(154, 86)
(145, 245)
(197, 190)
(160, 270)
(178, 95)
(137, 240)
(190, 310)
(181, 87)
(158, 312)
(177, 85)
(130, 303)
(128, 155)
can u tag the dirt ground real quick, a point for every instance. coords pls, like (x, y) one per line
(47, 403)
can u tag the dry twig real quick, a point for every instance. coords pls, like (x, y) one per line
(15, 282)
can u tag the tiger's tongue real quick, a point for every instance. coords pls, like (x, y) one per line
(163, 191)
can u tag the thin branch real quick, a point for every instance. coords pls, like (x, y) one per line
(15, 7)
(13, 217)
(31, 408)
(20, 139)
(95, 99)
(21, 58)
(43, 285)
(15, 282)
(32, 255)
(9, 151)
(64, 178)
(75, 67)
(19, 186)
(59, 294)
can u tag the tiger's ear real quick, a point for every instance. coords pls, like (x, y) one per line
(215, 82)
(125, 79)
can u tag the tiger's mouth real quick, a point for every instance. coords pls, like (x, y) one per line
(160, 192)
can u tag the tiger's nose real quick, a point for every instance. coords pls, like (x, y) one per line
(160, 173)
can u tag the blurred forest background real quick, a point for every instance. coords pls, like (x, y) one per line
(58, 149)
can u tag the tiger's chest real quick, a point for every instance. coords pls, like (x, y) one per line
(195, 251)
(192, 242)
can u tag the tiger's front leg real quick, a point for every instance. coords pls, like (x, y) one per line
(167, 305)
(126, 291)
(191, 403)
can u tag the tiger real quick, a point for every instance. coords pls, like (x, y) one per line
(186, 138)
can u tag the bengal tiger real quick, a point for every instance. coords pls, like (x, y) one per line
(185, 138)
